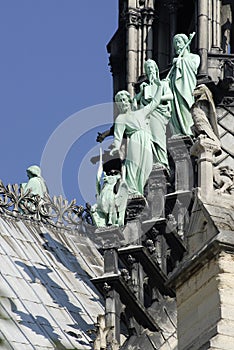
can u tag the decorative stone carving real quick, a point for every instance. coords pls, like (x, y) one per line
(125, 275)
(55, 211)
(150, 246)
(224, 179)
(100, 342)
(228, 101)
(106, 288)
(133, 18)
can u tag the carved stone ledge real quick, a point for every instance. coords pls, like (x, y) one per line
(128, 298)
(150, 265)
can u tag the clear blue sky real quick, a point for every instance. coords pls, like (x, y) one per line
(53, 63)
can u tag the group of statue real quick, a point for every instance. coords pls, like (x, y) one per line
(143, 119)
(173, 103)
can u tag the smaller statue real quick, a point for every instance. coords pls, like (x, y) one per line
(224, 179)
(204, 100)
(36, 184)
(204, 115)
(202, 125)
(112, 198)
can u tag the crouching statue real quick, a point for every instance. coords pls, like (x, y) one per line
(112, 196)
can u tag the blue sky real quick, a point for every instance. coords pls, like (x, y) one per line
(53, 64)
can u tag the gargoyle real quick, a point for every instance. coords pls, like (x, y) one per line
(224, 179)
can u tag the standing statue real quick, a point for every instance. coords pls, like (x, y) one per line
(112, 198)
(160, 116)
(36, 184)
(183, 82)
(136, 126)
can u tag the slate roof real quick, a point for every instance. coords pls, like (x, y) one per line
(47, 299)
(225, 118)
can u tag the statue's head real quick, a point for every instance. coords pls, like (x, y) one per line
(34, 170)
(123, 100)
(151, 70)
(179, 41)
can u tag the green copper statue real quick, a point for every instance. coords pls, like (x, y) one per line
(136, 126)
(160, 116)
(183, 82)
(112, 198)
(36, 183)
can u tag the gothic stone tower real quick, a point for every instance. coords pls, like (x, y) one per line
(181, 262)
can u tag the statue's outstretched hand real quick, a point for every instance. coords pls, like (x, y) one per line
(100, 137)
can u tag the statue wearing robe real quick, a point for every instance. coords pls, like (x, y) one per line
(182, 83)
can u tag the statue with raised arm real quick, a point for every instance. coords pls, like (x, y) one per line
(182, 78)
(136, 126)
(36, 184)
(160, 116)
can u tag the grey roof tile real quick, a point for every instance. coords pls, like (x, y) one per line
(46, 288)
